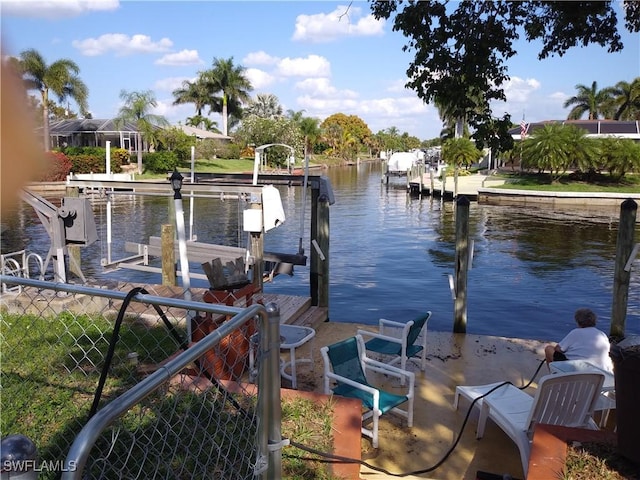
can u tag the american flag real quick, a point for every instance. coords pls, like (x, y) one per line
(524, 128)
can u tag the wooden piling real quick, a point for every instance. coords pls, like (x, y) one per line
(621, 277)
(167, 236)
(319, 274)
(461, 265)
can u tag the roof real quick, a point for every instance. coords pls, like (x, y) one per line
(200, 133)
(75, 125)
(594, 128)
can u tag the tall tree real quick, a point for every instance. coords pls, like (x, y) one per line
(229, 80)
(265, 105)
(310, 128)
(589, 100)
(462, 48)
(193, 92)
(627, 100)
(137, 110)
(60, 78)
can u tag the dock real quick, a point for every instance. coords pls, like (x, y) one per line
(468, 185)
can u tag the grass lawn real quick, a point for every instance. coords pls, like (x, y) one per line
(570, 183)
(50, 370)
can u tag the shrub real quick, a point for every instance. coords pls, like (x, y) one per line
(119, 156)
(88, 163)
(59, 167)
(159, 162)
(93, 159)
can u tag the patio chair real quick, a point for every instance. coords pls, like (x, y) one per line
(347, 364)
(401, 341)
(566, 399)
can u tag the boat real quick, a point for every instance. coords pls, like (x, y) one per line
(400, 162)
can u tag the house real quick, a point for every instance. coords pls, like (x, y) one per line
(595, 128)
(201, 134)
(92, 132)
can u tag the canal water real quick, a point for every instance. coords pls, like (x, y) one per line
(391, 254)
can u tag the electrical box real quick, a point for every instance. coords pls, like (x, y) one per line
(252, 220)
(79, 223)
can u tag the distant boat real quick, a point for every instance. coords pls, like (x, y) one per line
(400, 162)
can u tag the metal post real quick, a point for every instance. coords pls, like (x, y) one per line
(176, 184)
(269, 384)
(622, 277)
(107, 167)
(461, 265)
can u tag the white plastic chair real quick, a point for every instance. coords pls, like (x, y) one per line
(401, 341)
(347, 365)
(566, 399)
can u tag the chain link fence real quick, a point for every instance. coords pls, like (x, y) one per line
(109, 381)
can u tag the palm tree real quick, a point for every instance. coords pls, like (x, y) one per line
(590, 100)
(60, 78)
(193, 92)
(310, 128)
(627, 100)
(205, 123)
(550, 148)
(136, 110)
(230, 80)
(265, 105)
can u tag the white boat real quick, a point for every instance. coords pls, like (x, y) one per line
(400, 162)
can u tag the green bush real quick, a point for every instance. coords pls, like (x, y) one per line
(229, 150)
(93, 159)
(159, 162)
(120, 156)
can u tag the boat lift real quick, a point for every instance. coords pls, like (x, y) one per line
(71, 224)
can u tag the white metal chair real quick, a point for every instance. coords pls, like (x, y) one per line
(347, 365)
(566, 399)
(401, 341)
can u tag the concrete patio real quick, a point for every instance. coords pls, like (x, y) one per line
(453, 359)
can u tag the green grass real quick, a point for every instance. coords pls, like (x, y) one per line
(571, 183)
(49, 373)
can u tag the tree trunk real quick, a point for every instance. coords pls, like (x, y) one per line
(45, 120)
(225, 130)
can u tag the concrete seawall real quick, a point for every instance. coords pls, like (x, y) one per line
(503, 196)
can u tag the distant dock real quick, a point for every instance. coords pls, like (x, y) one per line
(468, 185)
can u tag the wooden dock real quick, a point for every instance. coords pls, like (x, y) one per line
(468, 185)
(294, 310)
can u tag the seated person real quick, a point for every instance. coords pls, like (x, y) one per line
(583, 343)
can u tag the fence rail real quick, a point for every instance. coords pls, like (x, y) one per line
(108, 381)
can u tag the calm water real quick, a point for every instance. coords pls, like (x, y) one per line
(391, 255)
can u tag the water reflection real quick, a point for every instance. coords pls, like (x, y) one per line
(391, 254)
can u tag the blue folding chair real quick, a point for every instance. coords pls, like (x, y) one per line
(347, 366)
(410, 340)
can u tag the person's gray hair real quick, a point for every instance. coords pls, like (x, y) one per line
(585, 317)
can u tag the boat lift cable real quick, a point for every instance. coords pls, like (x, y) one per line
(331, 458)
(304, 201)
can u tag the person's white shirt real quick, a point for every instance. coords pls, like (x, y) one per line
(589, 344)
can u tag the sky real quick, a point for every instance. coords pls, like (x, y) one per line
(321, 57)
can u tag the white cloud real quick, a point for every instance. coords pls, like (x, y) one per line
(321, 87)
(259, 58)
(184, 57)
(344, 21)
(519, 90)
(259, 78)
(55, 9)
(121, 44)
(169, 84)
(398, 86)
(309, 66)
